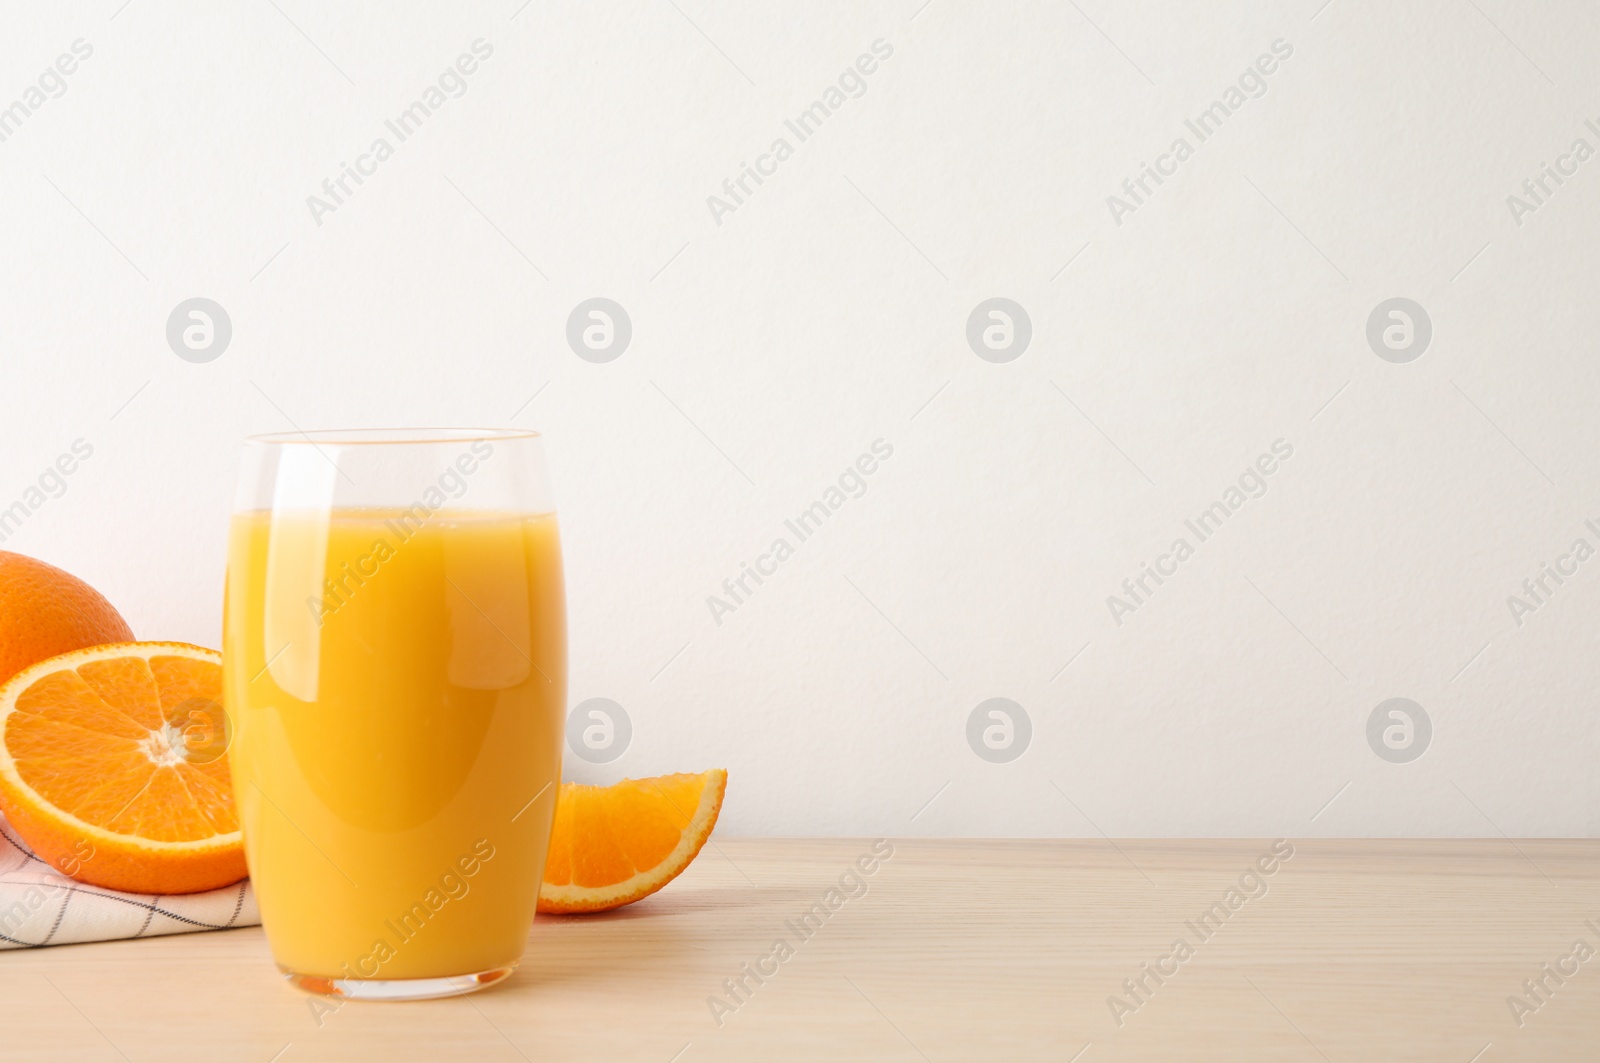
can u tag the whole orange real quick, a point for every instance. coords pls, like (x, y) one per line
(45, 612)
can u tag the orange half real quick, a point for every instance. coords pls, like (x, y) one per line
(112, 767)
(613, 845)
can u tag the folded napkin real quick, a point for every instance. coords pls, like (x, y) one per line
(40, 906)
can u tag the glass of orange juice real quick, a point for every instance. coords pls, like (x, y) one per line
(394, 646)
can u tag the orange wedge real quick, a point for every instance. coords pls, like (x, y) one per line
(613, 845)
(111, 767)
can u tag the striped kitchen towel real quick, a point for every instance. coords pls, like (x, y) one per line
(40, 906)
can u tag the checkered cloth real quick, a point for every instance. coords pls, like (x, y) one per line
(40, 906)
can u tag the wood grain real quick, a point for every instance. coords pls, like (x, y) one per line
(957, 950)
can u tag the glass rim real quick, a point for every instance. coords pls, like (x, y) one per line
(388, 436)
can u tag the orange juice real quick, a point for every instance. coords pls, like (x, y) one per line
(396, 688)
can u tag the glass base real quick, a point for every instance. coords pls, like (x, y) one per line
(397, 988)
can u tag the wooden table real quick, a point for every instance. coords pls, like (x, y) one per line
(957, 950)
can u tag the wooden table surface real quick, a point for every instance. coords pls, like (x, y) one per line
(957, 950)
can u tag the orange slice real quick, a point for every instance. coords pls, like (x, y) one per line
(613, 845)
(111, 767)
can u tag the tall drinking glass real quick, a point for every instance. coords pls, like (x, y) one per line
(395, 662)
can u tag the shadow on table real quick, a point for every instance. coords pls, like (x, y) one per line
(669, 929)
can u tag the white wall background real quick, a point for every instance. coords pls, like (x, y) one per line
(828, 311)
